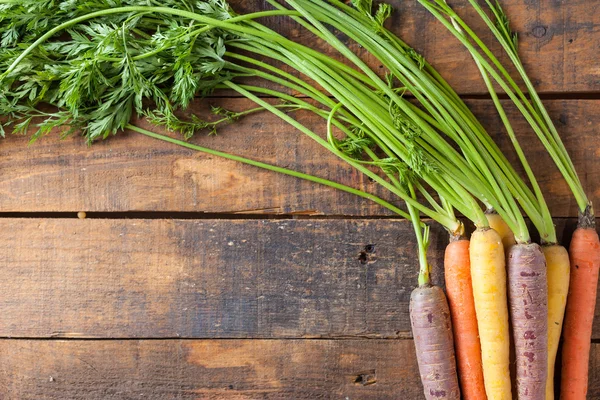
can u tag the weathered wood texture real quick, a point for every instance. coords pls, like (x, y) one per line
(211, 278)
(558, 41)
(217, 369)
(134, 173)
(276, 292)
(209, 369)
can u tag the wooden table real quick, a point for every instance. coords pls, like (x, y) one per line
(199, 278)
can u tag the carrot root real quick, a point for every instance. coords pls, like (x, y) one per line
(459, 289)
(497, 223)
(432, 331)
(488, 273)
(557, 262)
(581, 302)
(528, 297)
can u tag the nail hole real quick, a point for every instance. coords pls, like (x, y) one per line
(562, 119)
(362, 257)
(366, 378)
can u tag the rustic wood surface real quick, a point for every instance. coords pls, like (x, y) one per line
(368, 369)
(558, 41)
(100, 278)
(131, 172)
(209, 369)
(285, 289)
(210, 278)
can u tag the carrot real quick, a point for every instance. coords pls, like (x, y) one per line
(432, 331)
(508, 240)
(557, 261)
(464, 322)
(528, 299)
(500, 226)
(488, 274)
(581, 303)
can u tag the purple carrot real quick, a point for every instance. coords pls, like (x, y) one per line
(528, 304)
(432, 331)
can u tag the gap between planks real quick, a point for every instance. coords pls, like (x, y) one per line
(467, 96)
(248, 215)
(245, 215)
(402, 337)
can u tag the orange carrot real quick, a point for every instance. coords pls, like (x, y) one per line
(581, 302)
(459, 290)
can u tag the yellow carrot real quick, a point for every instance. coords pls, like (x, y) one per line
(557, 261)
(488, 273)
(497, 223)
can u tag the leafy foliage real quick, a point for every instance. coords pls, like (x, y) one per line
(364, 6)
(173, 123)
(24, 20)
(383, 13)
(416, 57)
(378, 18)
(354, 146)
(102, 72)
(503, 25)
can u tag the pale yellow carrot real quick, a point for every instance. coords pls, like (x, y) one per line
(558, 267)
(488, 273)
(497, 223)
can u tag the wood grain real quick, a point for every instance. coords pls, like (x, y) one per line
(212, 278)
(558, 41)
(217, 369)
(208, 369)
(133, 173)
(311, 309)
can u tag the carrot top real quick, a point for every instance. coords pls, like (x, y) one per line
(530, 107)
(205, 46)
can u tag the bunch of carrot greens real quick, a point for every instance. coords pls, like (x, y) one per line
(101, 63)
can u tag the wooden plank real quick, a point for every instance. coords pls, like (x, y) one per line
(558, 41)
(208, 369)
(217, 369)
(212, 278)
(134, 173)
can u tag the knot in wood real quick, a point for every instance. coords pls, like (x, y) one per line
(539, 31)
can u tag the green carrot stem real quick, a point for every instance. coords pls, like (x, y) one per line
(381, 53)
(273, 168)
(530, 113)
(422, 234)
(442, 219)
